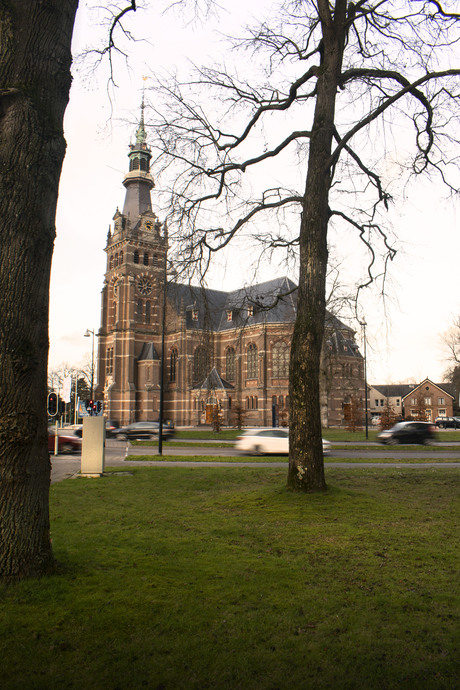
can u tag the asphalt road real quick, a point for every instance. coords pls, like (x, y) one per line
(64, 466)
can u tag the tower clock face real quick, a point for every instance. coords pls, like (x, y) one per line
(144, 286)
(149, 225)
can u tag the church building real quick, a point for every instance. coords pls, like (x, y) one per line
(225, 353)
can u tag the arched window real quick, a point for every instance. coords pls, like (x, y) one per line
(154, 260)
(146, 259)
(120, 259)
(252, 361)
(280, 401)
(134, 165)
(280, 355)
(139, 310)
(230, 364)
(111, 263)
(136, 257)
(109, 368)
(144, 165)
(114, 311)
(115, 262)
(147, 312)
(248, 403)
(256, 402)
(200, 364)
(173, 364)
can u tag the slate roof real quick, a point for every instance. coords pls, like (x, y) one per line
(339, 344)
(402, 390)
(148, 352)
(214, 381)
(273, 301)
(396, 390)
(208, 303)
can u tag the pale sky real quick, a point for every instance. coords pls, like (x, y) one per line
(404, 335)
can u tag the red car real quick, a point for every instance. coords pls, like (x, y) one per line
(66, 444)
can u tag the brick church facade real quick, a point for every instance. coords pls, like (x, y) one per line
(222, 350)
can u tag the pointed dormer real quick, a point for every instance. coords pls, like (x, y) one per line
(138, 181)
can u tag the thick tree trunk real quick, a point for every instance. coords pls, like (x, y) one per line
(306, 463)
(35, 58)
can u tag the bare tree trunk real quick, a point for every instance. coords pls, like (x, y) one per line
(35, 80)
(306, 463)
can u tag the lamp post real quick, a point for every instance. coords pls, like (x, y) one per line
(363, 324)
(87, 335)
(162, 358)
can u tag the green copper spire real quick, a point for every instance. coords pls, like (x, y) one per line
(141, 134)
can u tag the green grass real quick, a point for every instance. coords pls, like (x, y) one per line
(182, 444)
(281, 458)
(220, 578)
(207, 434)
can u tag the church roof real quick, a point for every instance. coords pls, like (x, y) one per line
(148, 352)
(203, 306)
(214, 381)
(339, 343)
(273, 301)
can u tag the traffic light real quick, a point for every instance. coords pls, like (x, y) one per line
(52, 404)
(89, 406)
(99, 407)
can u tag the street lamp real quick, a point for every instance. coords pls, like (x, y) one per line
(363, 324)
(162, 358)
(87, 335)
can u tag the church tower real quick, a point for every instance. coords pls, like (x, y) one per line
(130, 334)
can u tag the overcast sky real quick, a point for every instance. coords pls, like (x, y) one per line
(404, 340)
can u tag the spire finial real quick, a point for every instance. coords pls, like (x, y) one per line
(141, 134)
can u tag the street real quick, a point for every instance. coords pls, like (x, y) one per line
(64, 466)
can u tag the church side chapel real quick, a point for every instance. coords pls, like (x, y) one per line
(225, 353)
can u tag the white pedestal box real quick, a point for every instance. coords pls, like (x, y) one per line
(93, 447)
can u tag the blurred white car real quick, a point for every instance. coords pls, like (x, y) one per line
(264, 441)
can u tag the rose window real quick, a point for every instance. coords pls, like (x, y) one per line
(144, 286)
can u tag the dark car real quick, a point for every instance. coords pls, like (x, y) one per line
(447, 422)
(142, 430)
(66, 444)
(110, 427)
(409, 432)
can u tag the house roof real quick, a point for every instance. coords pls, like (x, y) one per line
(402, 390)
(442, 386)
(397, 390)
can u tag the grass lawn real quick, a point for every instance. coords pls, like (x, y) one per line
(284, 458)
(176, 578)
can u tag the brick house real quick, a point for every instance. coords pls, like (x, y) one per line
(406, 400)
(433, 398)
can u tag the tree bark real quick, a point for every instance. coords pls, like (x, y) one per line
(35, 59)
(306, 462)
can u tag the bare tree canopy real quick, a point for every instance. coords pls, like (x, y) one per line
(343, 100)
(451, 340)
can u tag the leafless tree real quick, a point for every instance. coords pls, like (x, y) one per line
(451, 340)
(344, 101)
